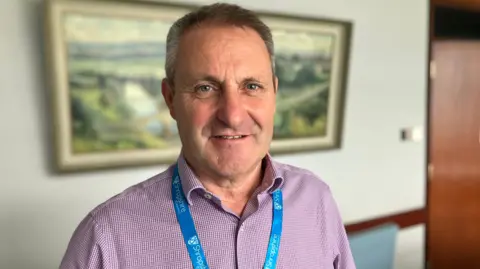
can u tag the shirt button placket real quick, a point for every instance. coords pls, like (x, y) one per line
(242, 261)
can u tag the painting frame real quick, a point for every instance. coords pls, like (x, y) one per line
(58, 82)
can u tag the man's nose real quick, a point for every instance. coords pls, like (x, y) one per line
(231, 110)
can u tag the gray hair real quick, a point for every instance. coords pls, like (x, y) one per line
(219, 13)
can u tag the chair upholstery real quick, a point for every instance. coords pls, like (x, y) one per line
(374, 248)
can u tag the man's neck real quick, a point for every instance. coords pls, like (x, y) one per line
(234, 191)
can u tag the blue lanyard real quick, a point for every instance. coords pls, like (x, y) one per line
(190, 236)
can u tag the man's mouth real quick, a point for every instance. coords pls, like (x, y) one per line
(230, 136)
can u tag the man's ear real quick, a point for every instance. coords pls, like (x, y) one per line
(275, 84)
(167, 92)
(275, 81)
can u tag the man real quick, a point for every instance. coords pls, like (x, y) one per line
(226, 203)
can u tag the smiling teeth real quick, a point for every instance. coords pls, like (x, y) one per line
(230, 137)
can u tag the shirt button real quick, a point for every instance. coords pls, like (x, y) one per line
(242, 228)
(208, 196)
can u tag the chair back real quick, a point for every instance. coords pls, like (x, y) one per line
(374, 248)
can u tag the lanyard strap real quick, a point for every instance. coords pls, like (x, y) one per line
(190, 236)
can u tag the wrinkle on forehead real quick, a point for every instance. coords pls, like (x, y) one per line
(223, 52)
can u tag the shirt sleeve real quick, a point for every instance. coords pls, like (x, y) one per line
(88, 248)
(343, 253)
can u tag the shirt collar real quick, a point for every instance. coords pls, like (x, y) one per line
(272, 178)
(188, 179)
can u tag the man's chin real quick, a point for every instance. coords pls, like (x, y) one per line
(230, 166)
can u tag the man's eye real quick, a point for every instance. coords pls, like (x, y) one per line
(252, 86)
(204, 88)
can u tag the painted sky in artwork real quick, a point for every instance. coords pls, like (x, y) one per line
(293, 42)
(81, 28)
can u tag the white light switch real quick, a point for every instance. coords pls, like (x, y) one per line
(414, 134)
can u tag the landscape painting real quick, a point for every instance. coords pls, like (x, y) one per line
(107, 64)
(311, 65)
(115, 70)
(302, 65)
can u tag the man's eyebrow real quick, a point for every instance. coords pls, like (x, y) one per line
(192, 81)
(217, 81)
(209, 78)
(252, 79)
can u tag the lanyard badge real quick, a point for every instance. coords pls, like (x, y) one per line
(192, 240)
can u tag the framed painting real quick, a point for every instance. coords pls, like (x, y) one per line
(311, 62)
(106, 63)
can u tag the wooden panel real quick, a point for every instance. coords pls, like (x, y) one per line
(454, 152)
(450, 23)
(403, 220)
(464, 4)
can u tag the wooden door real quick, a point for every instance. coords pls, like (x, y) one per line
(464, 4)
(453, 228)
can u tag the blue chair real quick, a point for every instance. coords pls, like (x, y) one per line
(374, 248)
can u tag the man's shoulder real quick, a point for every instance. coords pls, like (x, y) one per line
(295, 175)
(152, 190)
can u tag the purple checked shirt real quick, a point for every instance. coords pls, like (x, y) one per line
(138, 228)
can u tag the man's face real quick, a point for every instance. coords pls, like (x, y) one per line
(223, 99)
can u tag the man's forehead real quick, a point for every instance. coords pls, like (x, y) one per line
(238, 76)
(222, 52)
(208, 41)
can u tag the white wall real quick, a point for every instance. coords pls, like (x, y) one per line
(373, 174)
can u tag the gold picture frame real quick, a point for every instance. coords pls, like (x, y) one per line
(105, 65)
